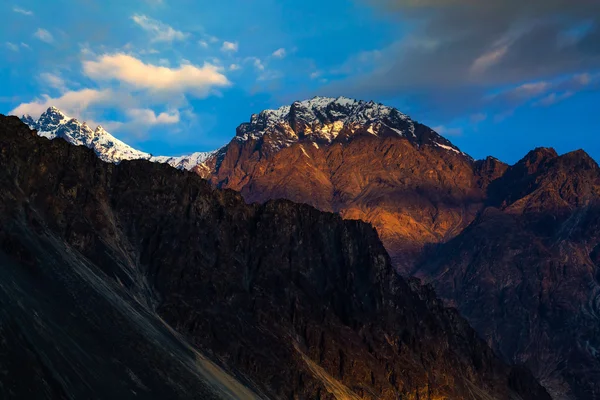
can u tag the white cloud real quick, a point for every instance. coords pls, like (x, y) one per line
(23, 11)
(12, 46)
(207, 40)
(270, 75)
(583, 79)
(531, 89)
(83, 104)
(230, 47)
(160, 31)
(445, 131)
(73, 103)
(477, 118)
(44, 35)
(234, 67)
(489, 59)
(129, 70)
(258, 64)
(279, 53)
(53, 80)
(315, 75)
(24, 45)
(553, 98)
(147, 117)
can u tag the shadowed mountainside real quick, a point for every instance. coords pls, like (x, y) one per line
(293, 302)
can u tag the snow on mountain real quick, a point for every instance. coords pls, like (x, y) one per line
(326, 119)
(320, 120)
(53, 123)
(185, 162)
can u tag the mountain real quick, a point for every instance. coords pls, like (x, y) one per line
(124, 281)
(513, 248)
(526, 272)
(360, 159)
(53, 123)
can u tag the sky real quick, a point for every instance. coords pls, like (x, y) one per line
(171, 77)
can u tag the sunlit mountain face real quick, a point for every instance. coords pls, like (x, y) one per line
(313, 200)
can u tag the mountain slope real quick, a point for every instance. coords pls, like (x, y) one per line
(53, 123)
(526, 273)
(370, 162)
(361, 159)
(256, 287)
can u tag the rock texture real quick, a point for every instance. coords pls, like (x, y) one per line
(519, 245)
(293, 302)
(526, 273)
(53, 124)
(360, 159)
(514, 248)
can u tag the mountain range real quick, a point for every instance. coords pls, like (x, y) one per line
(136, 280)
(515, 248)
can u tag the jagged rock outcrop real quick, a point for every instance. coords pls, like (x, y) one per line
(293, 302)
(525, 273)
(361, 159)
(370, 162)
(53, 124)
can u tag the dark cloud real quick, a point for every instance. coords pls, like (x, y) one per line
(468, 47)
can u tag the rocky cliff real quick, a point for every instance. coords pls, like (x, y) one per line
(291, 301)
(526, 272)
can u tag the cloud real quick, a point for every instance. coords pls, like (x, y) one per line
(489, 59)
(11, 46)
(529, 90)
(44, 35)
(553, 98)
(256, 62)
(53, 80)
(445, 131)
(270, 75)
(230, 47)
(468, 48)
(279, 53)
(544, 93)
(234, 67)
(147, 117)
(89, 104)
(203, 43)
(187, 78)
(23, 11)
(160, 31)
(477, 118)
(73, 103)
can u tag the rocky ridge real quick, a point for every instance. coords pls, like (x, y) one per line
(234, 279)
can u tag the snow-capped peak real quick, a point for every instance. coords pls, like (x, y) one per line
(328, 119)
(53, 123)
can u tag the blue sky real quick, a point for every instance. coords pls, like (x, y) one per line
(175, 76)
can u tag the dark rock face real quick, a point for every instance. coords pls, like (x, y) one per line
(519, 249)
(360, 159)
(412, 195)
(75, 326)
(525, 273)
(293, 302)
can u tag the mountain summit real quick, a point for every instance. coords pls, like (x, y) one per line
(515, 248)
(289, 302)
(327, 119)
(53, 123)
